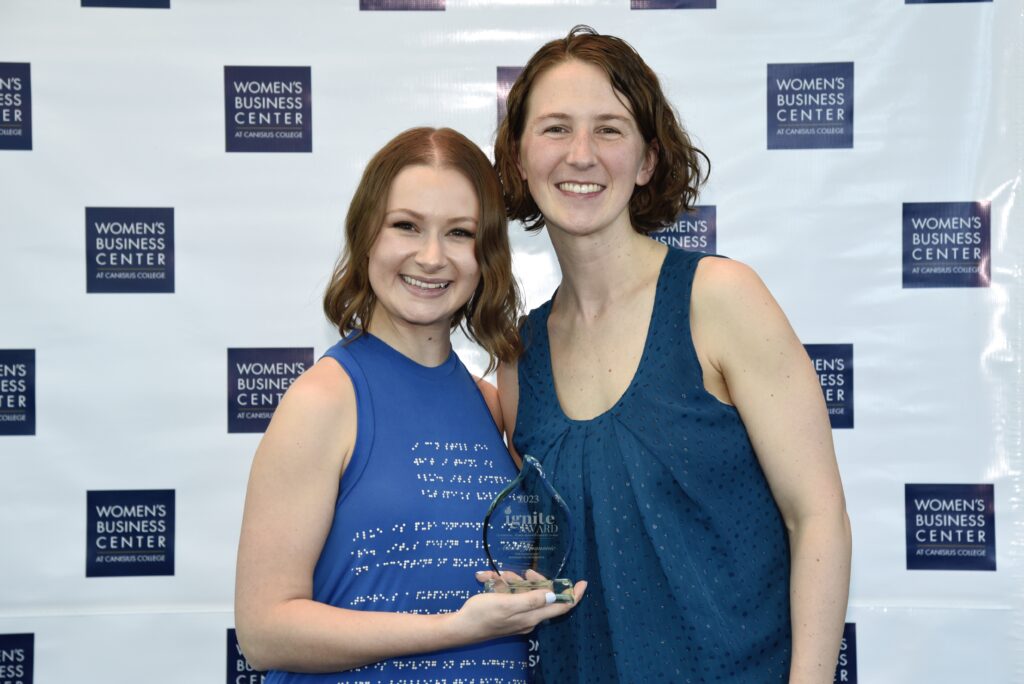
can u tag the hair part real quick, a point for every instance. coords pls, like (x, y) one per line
(680, 169)
(489, 317)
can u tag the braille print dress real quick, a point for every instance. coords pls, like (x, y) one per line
(407, 530)
(677, 533)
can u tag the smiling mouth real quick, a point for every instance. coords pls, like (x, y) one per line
(579, 188)
(415, 282)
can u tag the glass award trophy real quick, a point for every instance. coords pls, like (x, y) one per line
(528, 535)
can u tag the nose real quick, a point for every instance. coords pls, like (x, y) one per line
(581, 150)
(431, 256)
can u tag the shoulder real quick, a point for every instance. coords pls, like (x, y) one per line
(319, 397)
(728, 287)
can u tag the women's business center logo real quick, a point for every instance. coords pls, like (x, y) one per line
(130, 533)
(15, 107)
(239, 669)
(16, 658)
(810, 106)
(129, 249)
(947, 244)
(846, 667)
(268, 109)
(950, 527)
(694, 230)
(17, 393)
(257, 379)
(834, 365)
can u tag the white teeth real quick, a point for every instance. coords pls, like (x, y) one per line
(426, 286)
(579, 188)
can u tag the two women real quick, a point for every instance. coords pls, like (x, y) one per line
(665, 393)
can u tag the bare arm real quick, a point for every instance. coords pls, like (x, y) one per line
(288, 512)
(750, 352)
(508, 398)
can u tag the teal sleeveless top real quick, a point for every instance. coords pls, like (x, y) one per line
(676, 531)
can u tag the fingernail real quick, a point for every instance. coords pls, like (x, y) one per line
(549, 597)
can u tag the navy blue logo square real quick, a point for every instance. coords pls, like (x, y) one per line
(257, 379)
(834, 365)
(947, 244)
(950, 527)
(694, 230)
(268, 109)
(239, 669)
(129, 249)
(129, 533)
(810, 106)
(139, 4)
(17, 392)
(672, 4)
(846, 667)
(401, 5)
(507, 75)
(17, 655)
(15, 106)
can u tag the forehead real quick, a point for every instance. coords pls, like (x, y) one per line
(575, 88)
(434, 189)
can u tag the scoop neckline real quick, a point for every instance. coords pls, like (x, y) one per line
(639, 367)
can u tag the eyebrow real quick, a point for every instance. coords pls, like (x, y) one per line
(600, 117)
(418, 216)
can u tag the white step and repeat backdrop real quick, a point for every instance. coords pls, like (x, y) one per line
(173, 181)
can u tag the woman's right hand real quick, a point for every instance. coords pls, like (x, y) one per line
(491, 615)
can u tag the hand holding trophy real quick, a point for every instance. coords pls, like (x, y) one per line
(528, 535)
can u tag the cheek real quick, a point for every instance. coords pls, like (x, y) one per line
(468, 265)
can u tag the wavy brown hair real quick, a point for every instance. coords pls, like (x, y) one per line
(489, 317)
(679, 171)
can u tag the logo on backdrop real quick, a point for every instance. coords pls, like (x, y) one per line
(401, 5)
(15, 107)
(846, 668)
(507, 75)
(257, 378)
(834, 365)
(810, 105)
(142, 4)
(268, 109)
(950, 527)
(695, 230)
(671, 4)
(129, 533)
(16, 658)
(947, 244)
(17, 392)
(129, 249)
(239, 669)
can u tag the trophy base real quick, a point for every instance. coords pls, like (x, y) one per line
(561, 588)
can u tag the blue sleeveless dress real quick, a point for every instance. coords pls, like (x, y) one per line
(407, 529)
(677, 533)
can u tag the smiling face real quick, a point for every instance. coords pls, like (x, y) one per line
(581, 153)
(422, 265)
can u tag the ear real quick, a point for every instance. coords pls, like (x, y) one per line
(643, 176)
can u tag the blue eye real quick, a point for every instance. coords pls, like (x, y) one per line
(403, 225)
(462, 233)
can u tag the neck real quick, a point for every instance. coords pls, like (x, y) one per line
(599, 270)
(426, 345)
